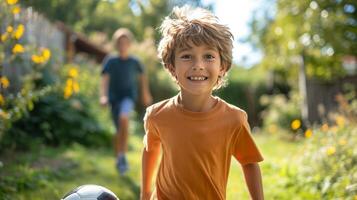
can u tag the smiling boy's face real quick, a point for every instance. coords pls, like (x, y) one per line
(197, 69)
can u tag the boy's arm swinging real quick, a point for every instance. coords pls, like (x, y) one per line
(253, 179)
(150, 159)
(104, 89)
(145, 95)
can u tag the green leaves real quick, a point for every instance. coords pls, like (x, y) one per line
(324, 31)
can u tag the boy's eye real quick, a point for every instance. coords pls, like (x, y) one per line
(186, 57)
(209, 57)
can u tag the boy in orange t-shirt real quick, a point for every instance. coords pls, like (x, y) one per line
(197, 132)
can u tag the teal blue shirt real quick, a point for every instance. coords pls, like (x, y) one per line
(123, 75)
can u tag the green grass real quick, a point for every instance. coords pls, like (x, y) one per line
(52, 172)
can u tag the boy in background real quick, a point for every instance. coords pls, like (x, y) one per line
(121, 77)
(196, 132)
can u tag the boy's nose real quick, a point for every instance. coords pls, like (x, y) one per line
(198, 65)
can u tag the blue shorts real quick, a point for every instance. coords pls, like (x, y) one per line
(121, 108)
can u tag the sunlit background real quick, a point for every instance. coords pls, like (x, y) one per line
(294, 73)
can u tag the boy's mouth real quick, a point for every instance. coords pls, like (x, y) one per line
(197, 78)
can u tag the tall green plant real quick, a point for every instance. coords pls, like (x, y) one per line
(17, 95)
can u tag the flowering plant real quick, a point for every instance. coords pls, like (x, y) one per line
(18, 93)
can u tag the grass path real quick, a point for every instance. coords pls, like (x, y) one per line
(50, 173)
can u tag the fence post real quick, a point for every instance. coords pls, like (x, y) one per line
(303, 89)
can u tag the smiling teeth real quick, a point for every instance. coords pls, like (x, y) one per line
(197, 78)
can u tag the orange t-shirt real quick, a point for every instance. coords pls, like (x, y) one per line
(197, 148)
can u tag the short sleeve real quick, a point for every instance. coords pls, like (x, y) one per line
(151, 134)
(139, 66)
(244, 147)
(106, 65)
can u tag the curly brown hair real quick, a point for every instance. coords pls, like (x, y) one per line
(185, 26)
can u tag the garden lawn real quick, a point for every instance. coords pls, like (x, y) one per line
(49, 173)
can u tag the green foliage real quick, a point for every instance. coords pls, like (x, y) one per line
(280, 112)
(324, 167)
(57, 121)
(243, 91)
(75, 13)
(35, 107)
(18, 91)
(329, 165)
(107, 16)
(319, 32)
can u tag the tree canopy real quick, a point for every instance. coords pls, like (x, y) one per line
(108, 15)
(322, 32)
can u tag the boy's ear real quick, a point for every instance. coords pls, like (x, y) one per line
(222, 70)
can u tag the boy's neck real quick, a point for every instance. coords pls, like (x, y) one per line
(197, 103)
(124, 55)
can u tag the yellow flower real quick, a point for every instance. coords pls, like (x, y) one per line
(342, 142)
(75, 87)
(18, 48)
(19, 31)
(340, 121)
(46, 54)
(308, 133)
(69, 83)
(331, 150)
(67, 92)
(37, 59)
(9, 29)
(11, 2)
(16, 10)
(2, 100)
(296, 124)
(3, 37)
(324, 127)
(73, 72)
(4, 82)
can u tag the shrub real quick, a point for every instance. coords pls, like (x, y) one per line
(328, 168)
(281, 113)
(18, 91)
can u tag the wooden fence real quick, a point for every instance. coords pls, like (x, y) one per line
(39, 32)
(321, 97)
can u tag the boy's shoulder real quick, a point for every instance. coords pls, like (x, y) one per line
(160, 108)
(134, 58)
(233, 111)
(109, 58)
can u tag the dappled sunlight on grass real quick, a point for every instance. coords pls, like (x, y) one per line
(278, 155)
(63, 169)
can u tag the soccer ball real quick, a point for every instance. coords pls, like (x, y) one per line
(90, 192)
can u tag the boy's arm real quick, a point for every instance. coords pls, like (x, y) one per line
(146, 98)
(149, 162)
(253, 179)
(103, 99)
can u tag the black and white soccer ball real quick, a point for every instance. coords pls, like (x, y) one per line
(90, 192)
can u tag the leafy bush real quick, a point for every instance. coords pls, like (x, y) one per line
(244, 92)
(281, 113)
(56, 121)
(19, 90)
(64, 115)
(328, 168)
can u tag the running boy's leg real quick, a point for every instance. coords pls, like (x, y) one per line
(121, 138)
